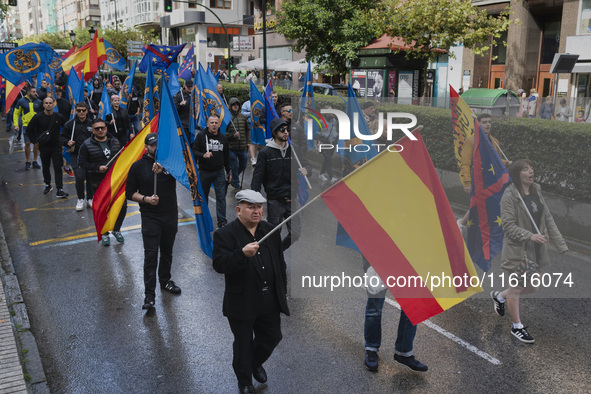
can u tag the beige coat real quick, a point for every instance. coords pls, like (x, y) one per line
(518, 230)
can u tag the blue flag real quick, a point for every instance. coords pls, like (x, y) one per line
(196, 115)
(46, 76)
(174, 153)
(173, 80)
(127, 86)
(257, 116)
(151, 99)
(105, 105)
(216, 76)
(187, 65)
(159, 56)
(307, 101)
(24, 62)
(73, 88)
(114, 59)
(270, 112)
(212, 102)
(489, 179)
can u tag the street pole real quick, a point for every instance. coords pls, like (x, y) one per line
(264, 44)
(116, 22)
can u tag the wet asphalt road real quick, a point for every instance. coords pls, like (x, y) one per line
(84, 303)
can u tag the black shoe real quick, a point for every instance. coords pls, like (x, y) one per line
(371, 360)
(47, 189)
(171, 287)
(36, 165)
(498, 305)
(148, 302)
(246, 389)
(61, 193)
(522, 335)
(259, 374)
(27, 165)
(411, 362)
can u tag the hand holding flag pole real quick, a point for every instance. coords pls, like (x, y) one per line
(300, 165)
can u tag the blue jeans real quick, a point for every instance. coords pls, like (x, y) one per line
(218, 179)
(373, 329)
(135, 121)
(237, 164)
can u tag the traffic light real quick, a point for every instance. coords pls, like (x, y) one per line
(167, 5)
(12, 3)
(231, 63)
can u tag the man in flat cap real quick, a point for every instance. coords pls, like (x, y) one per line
(159, 214)
(256, 283)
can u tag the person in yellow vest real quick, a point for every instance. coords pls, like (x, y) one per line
(24, 111)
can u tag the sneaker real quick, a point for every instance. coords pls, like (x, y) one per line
(79, 205)
(411, 362)
(323, 177)
(69, 171)
(61, 193)
(28, 167)
(522, 335)
(89, 203)
(461, 226)
(371, 360)
(118, 236)
(171, 287)
(148, 302)
(36, 165)
(334, 180)
(498, 305)
(106, 241)
(253, 161)
(47, 189)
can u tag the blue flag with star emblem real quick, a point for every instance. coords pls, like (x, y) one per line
(151, 99)
(159, 56)
(489, 179)
(24, 62)
(114, 59)
(212, 102)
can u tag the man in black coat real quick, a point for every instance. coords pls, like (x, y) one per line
(256, 283)
(118, 122)
(50, 148)
(182, 103)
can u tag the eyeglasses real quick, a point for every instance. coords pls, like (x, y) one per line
(284, 130)
(100, 128)
(81, 110)
(287, 110)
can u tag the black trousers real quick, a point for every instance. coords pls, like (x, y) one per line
(249, 352)
(158, 232)
(52, 154)
(81, 176)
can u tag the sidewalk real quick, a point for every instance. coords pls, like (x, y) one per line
(21, 370)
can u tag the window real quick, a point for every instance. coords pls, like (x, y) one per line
(584, 20)
(220, 4)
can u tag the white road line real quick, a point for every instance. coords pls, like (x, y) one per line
(454, 338)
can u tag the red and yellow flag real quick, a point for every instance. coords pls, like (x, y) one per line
(462, 122)
(396, 211)
(87, 59)
(110, 195)
(12, 92)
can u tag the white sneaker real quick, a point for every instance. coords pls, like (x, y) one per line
(89, 203)
(323, 177)
(462, 228)
(253, 161)
(334, 180)
(80, 205)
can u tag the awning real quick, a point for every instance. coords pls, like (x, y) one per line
(299, 66)
(257, 64)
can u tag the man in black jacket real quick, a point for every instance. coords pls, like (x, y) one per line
(274, 171)
(181, 102)
(50, 148)
(94, 155)
(74, 133)
(118, 122)
(212, 152)
(159, 218)
(256, 283)
(63, 106)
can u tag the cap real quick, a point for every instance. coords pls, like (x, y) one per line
(250, 196)
(233, 101)
(151, 138)
(276, 123)
(189, 83)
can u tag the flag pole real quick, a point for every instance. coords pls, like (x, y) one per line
(300, 165)
(155, 183)
(278, 227)
(114, 157)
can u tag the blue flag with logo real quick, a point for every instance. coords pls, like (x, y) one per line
(46, 76)
(105, 105)
(212, 102)
(489, 179)
(174, 154)
(187, 65)
(257, 116)
(23, 63)
(196, 114)
(127, 86)
(159, 56)
(74, 88)
(270, 107)
(114, 59)
(151, 99)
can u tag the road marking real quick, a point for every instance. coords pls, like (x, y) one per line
(454, 338)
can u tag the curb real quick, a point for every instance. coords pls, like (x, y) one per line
(21, 345)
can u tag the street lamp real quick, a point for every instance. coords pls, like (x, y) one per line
(92, 32)
(72, 37)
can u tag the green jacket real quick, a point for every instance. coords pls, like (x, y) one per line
(238, 124)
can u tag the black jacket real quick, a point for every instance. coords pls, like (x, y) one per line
(91, 156)
(40, 123)
(273, 171)
(244, 283)
(141, 179)
(123, 127)
(216, 144)
(183, 110)
(82, 132)
(64, 108)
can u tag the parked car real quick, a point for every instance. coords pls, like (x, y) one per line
(331, 90)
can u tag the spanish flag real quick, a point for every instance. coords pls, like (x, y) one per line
(12, 92)
(396, 211)
(110, 195)
(88, 58)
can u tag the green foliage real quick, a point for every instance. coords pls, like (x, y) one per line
(330, 31)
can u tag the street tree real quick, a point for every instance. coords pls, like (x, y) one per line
(330, 31)
(430, 26)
